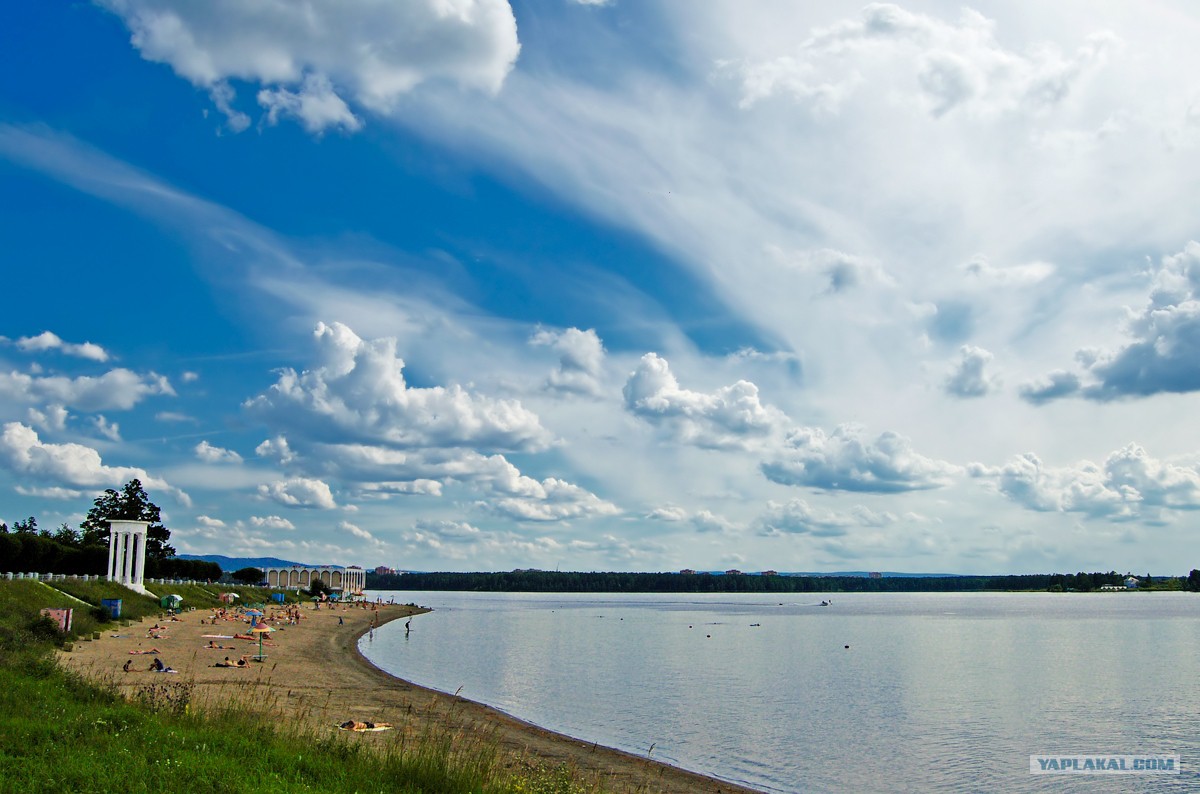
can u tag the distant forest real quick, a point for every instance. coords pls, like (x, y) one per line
(567, 582)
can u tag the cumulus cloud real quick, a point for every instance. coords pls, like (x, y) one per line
(25, 454)
(118, 389)
(550, 500)
(1128, 484)
(299, 492)
(580, 362)
(357, 392)
(847, 460)
(953, 66)
(312, 59)
(1059, 383)
(1163, 355)
(731, 417)
(271, 522)
(48, 340)
(670, 513)
(208, 521)
(970, 377)
(276, 448)
(211, 454)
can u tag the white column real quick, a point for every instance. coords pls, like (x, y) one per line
(112, 556)
(128, 567)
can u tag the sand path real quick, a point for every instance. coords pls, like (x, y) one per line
(315, 676)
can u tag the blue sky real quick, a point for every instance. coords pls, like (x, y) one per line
(468, 285)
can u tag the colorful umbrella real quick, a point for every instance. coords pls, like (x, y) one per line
(260, 630)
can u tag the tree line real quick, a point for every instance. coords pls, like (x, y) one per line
(615, 582)
(27, 548)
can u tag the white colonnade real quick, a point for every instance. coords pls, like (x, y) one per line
(127, 553)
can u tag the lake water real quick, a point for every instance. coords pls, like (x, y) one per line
(937, 692)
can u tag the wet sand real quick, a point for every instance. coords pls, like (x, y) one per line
(314, 676)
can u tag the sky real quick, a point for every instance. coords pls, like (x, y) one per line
(584, 285)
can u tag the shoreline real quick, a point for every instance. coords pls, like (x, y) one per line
(316, 677)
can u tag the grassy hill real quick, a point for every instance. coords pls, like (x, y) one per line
(59, 732)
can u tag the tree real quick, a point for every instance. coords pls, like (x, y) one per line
(131, 504)
(248, 575)
(26, 527)
(1193, 581)
(319, 588)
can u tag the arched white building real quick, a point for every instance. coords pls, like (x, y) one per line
(347, 581)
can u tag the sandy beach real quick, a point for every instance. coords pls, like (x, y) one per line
(314, 675)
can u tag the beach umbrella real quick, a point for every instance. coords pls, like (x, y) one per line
(260, 630)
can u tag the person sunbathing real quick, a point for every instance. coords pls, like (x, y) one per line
(225, 663)
(143, 653)
(157, 666)
(355, 725)
(242, 662)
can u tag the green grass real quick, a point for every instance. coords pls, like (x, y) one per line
(59, 732)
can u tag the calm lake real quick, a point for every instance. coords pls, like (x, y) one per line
(936, 692)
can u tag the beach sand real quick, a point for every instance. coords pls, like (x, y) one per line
(314, 675)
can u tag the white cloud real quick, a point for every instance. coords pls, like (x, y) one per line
(581, 359)
(982, 272)
(356, 531)
(417, 486)
(1129, 484)
(211, 454)
(1163, 355)
(731, 417)
(335, 51)
(117, 389)
(26, 455)
(952, 65)
(551, 500)
(110, 430)
(357, 391)
(670, 513)
(848, 461)
(54, 417)
(53, 492)
(299, 492)
(271, 522)
(208, 521)
(797, 517)
(970, 377)
(315, 105)
(48, 340)
(276, 448)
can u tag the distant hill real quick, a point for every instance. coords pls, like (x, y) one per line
(231, 564)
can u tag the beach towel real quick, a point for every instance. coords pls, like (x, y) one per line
(364, 729)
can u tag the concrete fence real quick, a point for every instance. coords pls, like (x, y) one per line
(62, 577)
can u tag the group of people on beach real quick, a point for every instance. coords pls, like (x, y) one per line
(156, 666)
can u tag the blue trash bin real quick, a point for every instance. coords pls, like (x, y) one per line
(113, 605)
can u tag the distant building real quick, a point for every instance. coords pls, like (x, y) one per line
(733, 572)
(770, 573)
(1132, 583)
(1111, 588)
(347, 581)
(688, 572)
(383, 570)
(875, 575)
